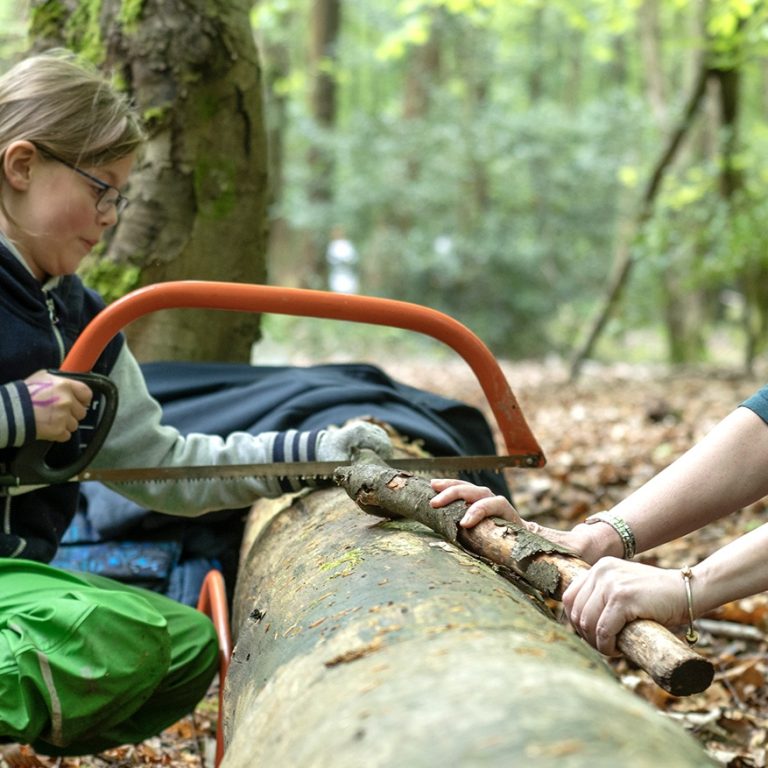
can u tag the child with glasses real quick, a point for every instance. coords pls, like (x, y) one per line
(87, 663)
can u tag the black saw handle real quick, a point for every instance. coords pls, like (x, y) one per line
(29, 466)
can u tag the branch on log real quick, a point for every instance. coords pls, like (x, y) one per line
(386, 492)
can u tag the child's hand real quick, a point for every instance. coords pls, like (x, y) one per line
(482, 501)
(59, 404)
(341, 444)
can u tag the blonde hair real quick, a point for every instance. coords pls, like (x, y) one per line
(67, 106)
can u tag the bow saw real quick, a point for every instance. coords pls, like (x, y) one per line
(30, 467)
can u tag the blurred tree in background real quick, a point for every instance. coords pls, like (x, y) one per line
(526, 166)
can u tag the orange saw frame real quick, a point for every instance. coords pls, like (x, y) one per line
(199, 294)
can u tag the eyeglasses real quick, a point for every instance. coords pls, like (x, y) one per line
(108, 197)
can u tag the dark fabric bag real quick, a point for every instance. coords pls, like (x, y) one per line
(114, 537)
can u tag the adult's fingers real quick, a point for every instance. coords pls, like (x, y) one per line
(451, 489)
(588, 609)
(481, 501)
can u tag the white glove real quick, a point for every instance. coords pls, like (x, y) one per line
(332, 444)
(341, 444)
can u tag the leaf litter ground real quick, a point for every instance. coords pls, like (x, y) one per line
(603, 437)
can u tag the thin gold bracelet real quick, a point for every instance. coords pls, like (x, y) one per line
(691, 636)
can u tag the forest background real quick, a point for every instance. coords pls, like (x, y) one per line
(583, 178)
(572, 179)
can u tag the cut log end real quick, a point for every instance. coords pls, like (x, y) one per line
(689, 677)
(673, 665)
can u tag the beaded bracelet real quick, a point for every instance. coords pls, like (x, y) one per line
(620, 525)
(691, 636)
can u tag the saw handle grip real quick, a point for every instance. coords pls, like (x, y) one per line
(29, 466)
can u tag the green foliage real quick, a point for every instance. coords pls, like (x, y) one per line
(496, 192)
(736, 30)
(110, 279)
(283, 335)
(13, 30)
(47, 19)
(130, 14)
(500, 202)
(504, 265)
(82, 31)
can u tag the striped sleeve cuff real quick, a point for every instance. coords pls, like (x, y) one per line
(293, 445)
(17, 417)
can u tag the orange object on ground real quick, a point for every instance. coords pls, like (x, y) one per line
(213, 602)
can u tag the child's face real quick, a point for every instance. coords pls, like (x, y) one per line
(55, 223)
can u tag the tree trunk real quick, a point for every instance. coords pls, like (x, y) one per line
(537, 66)
(326, 23)
(284, 259)
(685, 313)
(472, 48)
(650, 36)
(423, 73)
(199, 193)
(375, 643)
(623, 258)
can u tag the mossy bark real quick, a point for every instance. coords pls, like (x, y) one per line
(361, 642)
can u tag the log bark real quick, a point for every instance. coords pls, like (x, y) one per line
(376, 643)
(387, 492)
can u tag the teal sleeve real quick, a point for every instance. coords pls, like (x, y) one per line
(758, 403)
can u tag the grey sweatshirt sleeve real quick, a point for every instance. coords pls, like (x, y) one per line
(138, 439)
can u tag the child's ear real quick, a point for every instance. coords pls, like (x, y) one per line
(18, 161)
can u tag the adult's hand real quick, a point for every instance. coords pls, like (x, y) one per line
(614, 592)
(481, 501)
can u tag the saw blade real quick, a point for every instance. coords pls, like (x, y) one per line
(313, 470)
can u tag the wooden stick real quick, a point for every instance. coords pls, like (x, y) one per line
(386, 492)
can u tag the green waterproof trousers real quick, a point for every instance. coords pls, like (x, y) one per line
(88, 663)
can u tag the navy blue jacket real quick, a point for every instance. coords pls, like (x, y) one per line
(38, 326)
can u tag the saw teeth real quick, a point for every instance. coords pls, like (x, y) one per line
(215, 479)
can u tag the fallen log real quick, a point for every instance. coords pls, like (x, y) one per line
(368, 642)
(381, 490)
